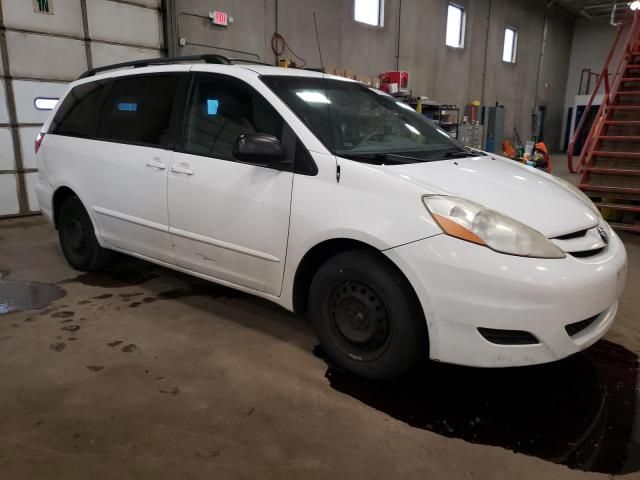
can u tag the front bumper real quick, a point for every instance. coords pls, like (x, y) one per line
(463, 287)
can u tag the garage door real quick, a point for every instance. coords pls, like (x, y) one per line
(47, 44)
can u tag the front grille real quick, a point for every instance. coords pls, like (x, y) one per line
(508, 337)
(572, 235)
(586, 253)
(575, 328)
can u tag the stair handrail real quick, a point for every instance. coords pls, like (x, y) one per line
(603, 79)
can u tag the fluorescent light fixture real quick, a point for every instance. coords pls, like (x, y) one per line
(128, 106)
(412, 129)
(405, 106)
(42, 103)
(313, 97)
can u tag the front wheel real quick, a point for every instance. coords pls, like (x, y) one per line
(366, 315)
(78, 239)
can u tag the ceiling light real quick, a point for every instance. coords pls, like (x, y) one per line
(634, 5)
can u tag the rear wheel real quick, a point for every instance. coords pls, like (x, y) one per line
(78, 239)
(366, 315)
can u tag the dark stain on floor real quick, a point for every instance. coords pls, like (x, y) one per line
(58, 346)
(104, 296)
(581, 412)
(20, 296)
(124, 272)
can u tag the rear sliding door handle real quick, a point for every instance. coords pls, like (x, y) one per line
(155, 164)
(182, 169)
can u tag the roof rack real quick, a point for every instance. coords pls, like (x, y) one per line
(207, 58)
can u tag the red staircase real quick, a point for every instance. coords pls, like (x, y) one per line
(610, 157)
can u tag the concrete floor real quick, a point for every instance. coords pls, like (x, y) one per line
(167, 377)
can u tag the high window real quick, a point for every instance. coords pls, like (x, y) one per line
(455, 26)
(510, 45)
(368, 11)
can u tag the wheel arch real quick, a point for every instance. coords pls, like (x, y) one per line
(319, 254)
(59, 196)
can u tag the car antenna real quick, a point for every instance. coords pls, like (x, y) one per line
(326, 94)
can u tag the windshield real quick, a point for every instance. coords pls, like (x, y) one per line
(355, 121)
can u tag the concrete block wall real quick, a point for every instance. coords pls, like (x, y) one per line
(40, 53)
(448, 75)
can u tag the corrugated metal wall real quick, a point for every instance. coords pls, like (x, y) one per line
(41, 52)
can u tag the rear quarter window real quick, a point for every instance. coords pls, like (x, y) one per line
(78, 112)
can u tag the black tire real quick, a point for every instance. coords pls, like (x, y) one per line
(78, 239)
(367, 316)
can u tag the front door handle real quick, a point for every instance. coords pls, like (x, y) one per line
(182, 168)
(155, 164)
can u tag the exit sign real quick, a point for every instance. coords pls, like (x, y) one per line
(220, 18)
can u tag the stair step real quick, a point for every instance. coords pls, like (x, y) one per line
(623, 122)
(612, 171)
(626, 226)
(601, 153)
(630, 79)
(605, 188)
(624, 107)
(622, 138)
(632, 67)
(628, 92)
(618, 206)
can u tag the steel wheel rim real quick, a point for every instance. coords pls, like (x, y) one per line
(359, 320)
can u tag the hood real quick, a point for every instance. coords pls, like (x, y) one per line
(523, 193)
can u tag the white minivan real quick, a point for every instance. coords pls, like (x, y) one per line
(329, 197)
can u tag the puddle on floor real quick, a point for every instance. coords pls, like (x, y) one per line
(581, 412)
(18, 296)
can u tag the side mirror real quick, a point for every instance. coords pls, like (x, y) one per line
(258, 148)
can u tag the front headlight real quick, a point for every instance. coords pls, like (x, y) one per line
(474, 223)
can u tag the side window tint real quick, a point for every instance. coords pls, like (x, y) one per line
(78, 113)
(220, 110)
(138, 110)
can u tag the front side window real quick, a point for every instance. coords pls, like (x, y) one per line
(220, 110)
(77, 115)
(510, 45)
(368, 11)
(455, 26)
(138, 110)
(356, 121)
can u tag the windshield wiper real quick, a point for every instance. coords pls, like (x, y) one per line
(382, 157)
(457, 154)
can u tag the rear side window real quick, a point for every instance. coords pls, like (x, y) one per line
(77, 115)
(222, 109)
(138, 110)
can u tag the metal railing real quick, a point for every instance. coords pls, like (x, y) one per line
(631, 23)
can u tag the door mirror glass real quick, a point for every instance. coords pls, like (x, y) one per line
(258, 148)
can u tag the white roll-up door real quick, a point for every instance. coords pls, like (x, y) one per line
(47, 44)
